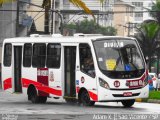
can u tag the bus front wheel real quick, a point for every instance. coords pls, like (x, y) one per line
(85, 99)
(127, 103)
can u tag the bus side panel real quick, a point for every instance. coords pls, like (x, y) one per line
(85, 81)
(7, 80)
(6, 74)
(55, 83)
(53, 87)
(29, 76)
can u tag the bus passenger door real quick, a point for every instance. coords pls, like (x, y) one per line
(69, 71)
(17, 85)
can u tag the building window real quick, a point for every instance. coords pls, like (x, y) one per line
(139, 14)
(39, 55)
(137, 4)
(27, 55)
(53, 55)
(7, 54)
(131, 12)
(127, 11)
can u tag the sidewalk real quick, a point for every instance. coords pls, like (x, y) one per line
(153, 101)
(148, 100)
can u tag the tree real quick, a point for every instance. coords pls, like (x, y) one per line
(147, 38)
(155, 11)
(90, 27)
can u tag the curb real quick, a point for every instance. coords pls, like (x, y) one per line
(138, 100)
(153, 101)
(148, 100)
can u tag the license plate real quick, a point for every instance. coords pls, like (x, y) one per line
(126, 94)
(135, 83)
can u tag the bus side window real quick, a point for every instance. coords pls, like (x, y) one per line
(86, 60)
(7, 54)
(53, 55)
(27, 55)
(39, 55)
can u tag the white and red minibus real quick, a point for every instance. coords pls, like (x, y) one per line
(81, 68)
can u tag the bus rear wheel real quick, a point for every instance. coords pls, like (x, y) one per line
(127, 103)
(34, 97)
(85, 99)
(42, 99)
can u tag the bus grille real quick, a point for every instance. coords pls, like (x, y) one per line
(121, 95)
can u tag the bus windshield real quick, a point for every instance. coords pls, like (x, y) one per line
(119, 58)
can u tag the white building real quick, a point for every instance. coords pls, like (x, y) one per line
(141, 5)
(103, 18)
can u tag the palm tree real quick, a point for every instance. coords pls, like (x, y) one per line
(155, 11)
(147, 38)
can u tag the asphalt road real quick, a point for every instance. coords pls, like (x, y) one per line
(17, 106)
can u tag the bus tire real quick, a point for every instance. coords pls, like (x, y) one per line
(85, 99)
(127, 103)
(34, 97)
(42, 99)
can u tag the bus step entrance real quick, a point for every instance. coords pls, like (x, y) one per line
(70, 99)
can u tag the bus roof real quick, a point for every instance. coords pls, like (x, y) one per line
(61, 39)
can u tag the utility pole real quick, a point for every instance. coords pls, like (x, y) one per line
(46, 21)
(17, 20)
(53, 16)
(129, 27)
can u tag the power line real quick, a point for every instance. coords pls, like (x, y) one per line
(99, 12)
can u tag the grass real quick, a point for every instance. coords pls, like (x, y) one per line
(154, 95)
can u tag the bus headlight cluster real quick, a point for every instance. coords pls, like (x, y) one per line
(103, 83)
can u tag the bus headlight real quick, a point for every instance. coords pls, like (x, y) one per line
(103, 83)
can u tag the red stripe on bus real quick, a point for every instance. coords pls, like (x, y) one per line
(41, 87)
(77, 89)
(93, 96)
(7, 84)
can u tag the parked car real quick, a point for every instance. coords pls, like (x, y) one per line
(150, 82)
(155, 80)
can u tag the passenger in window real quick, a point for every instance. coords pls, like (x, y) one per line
(89, 66)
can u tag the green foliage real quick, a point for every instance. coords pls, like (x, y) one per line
(90, 27)
(155, 10)
(70, 26)
(147, 38)
(151, 29)
(154, 95)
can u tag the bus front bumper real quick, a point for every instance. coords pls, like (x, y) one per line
(118, 95)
